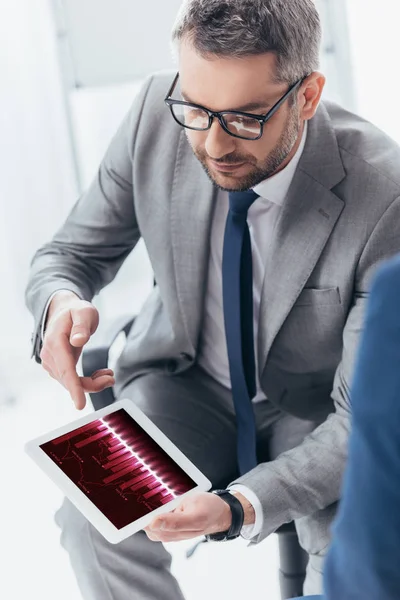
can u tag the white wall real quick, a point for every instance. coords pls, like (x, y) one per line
(116, 41)
(37, 182)
(374, 43)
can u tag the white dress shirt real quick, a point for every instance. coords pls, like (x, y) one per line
(262, 218)
(212, 355)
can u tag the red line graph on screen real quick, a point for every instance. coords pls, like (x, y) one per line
(117, 465)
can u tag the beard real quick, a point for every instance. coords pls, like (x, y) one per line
(266, 168)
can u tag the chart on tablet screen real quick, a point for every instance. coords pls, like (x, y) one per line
(119, 467)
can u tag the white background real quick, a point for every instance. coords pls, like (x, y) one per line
(37, 189)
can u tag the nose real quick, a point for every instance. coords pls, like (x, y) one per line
(219, 143)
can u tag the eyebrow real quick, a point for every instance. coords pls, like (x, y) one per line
(251, 106)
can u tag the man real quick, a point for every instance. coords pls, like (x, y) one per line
(256, 202)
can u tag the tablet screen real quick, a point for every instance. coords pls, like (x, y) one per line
(119, 467)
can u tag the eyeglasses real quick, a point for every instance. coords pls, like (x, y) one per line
(242, 125)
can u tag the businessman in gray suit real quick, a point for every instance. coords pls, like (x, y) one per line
(320, 189)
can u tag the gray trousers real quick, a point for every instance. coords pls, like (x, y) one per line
(196, 413)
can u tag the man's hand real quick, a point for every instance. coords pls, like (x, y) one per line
(197, 515)
(70, 324)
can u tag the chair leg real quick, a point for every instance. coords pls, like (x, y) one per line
(293, 563)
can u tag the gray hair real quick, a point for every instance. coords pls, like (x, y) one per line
(291, 29)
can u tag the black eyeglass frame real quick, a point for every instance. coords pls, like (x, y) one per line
(262, 119)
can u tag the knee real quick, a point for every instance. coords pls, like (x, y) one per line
(82, 540)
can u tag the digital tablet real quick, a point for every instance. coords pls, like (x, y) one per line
(117, 468)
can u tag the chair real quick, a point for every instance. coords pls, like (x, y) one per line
(293, 559)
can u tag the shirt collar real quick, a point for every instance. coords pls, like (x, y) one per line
(275, 188)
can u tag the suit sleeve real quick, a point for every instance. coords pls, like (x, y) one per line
(363, 560)
(308, 478)
(99, 233)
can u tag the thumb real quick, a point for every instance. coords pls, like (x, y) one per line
(80, 333)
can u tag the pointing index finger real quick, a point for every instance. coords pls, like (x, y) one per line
(69, 378)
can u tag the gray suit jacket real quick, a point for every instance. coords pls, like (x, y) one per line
(341, 217)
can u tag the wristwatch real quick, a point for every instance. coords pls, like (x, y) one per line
(237, 518)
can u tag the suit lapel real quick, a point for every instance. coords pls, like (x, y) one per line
(192, 203)
(307, 220)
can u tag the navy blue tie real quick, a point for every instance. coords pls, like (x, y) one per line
(237, 285)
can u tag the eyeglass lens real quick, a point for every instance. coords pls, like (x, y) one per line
(196, 118)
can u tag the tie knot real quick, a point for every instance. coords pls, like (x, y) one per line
(240, 202)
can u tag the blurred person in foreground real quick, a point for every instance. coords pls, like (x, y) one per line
(264, 212)
(363, 562)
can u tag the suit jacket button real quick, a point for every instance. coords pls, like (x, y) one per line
(172, 366)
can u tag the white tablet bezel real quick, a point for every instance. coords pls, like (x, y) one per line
(82, 502)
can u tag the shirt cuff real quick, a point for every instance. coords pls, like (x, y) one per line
(250, 531)
(46, 310)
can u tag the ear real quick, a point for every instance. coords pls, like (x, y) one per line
(310, 95)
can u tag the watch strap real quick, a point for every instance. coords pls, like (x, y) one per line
(237, 518)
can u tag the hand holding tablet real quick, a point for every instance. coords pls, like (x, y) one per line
(195, 516)
(118, 469)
